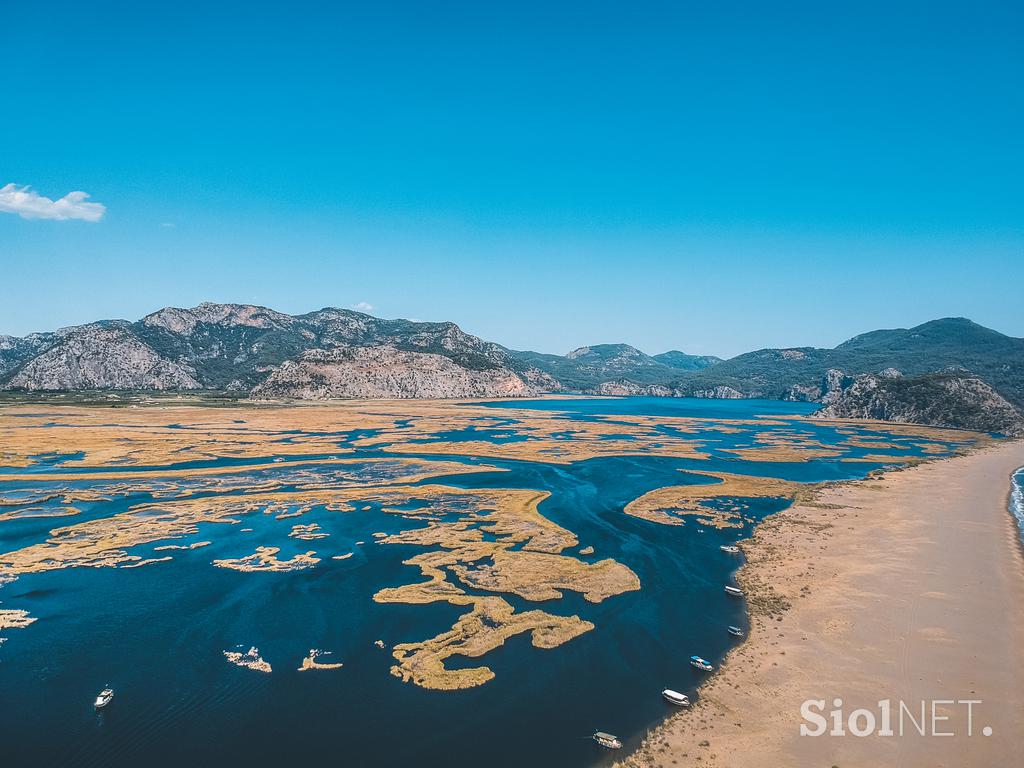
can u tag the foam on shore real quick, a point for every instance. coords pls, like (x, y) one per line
(1017, 499)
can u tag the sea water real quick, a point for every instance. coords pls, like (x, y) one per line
(156, 634)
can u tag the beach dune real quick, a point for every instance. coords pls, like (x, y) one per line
(907, 587)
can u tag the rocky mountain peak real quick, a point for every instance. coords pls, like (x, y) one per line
(101, 357)
(184, 321)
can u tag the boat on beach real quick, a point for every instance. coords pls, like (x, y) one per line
(104, 698)
(734, 591)
(732, 549)
(735, 631)
(607, 740)
(675, 697)
(702, 664)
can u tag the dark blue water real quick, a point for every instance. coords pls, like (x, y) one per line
(156, 634)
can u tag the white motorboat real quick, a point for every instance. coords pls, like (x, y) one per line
(735, 631)
(702, 664)
(606, 740)
(104, 698)
(734, 591)
(732, 549)
(675, 697)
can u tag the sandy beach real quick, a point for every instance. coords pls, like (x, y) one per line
(907, 587)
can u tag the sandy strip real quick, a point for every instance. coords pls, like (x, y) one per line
(910, 588)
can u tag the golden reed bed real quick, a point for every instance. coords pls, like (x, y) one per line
(477, 544)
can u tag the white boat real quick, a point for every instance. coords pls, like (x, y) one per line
(606, 740)
(278, 460)
(734, 591)
(702, 664)
(675, 697)
(732, 549)
(736, 631)
(105, 697)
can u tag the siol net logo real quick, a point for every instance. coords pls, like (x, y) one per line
(927, 717)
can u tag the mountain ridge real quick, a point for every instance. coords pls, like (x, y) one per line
(945, 344)
(236, 347)
(244, 349)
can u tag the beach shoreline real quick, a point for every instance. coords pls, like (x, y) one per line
(907, 587)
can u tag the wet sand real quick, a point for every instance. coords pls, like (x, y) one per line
(908, 586)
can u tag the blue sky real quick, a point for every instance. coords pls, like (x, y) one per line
(710, 177)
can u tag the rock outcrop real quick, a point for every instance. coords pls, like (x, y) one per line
(101, 357)
(624, 387)
(385, 372)
(939, 399)
(14, 351)
(721, 392)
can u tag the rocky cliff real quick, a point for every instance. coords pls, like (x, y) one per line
(950, 399)
(101, 357)
(240, 348)
(385, 372)
(625, 387)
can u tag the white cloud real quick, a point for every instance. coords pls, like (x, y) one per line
(31, 205)
(363, 306)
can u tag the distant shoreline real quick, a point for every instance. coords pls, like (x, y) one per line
(905, 586)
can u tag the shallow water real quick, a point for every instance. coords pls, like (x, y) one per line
(156, 634)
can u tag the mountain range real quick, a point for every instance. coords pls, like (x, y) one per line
(258, 352)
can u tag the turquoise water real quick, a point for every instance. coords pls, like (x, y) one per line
(156, 634)
(697, 407)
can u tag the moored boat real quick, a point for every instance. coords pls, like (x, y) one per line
(702, 664)
(675, 697)
(607, 740)
(736, 631)
(104, 698)
(732, 549)
(734, 591)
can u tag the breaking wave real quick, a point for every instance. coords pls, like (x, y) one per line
(1017, 499)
